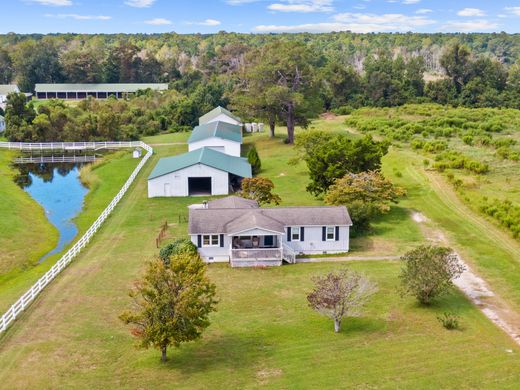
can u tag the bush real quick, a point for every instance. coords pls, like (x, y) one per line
(180, 246)
(449, 320)
(254, 159)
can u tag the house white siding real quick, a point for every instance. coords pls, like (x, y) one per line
(225, 118)
(231, 148)
(313, 241)
(214, 254)
(176, 183)
(2, 124)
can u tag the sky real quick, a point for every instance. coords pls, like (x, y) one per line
(258, 16)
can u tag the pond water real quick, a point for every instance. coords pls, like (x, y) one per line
(58, 189)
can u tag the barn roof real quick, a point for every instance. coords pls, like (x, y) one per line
(229, 221)
(205, 156)
(114, 87)
(219, 129)
(6, 89)
(216, 112)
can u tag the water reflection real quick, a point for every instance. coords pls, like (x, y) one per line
(58, 189)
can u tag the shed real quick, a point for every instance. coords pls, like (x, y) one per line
(203, 171)
(220, 114)
(137, 153)
(221, 136)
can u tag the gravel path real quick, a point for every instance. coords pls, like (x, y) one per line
(345, 259)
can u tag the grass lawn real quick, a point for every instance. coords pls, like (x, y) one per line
(108, 178)
(263, 334)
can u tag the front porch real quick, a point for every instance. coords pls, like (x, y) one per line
(259, 250)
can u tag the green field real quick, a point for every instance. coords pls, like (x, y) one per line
(263, 334)
(26, 233)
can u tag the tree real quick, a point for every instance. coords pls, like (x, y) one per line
(172, 303)
(254, 159)
(259, 189)
(279, 79)
(455, 62)
(428, 272)
(330, 157)
(340, 294)
(366, 194)
(180, 246)
(6, 67)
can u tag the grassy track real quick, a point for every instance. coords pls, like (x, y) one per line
(30, 247)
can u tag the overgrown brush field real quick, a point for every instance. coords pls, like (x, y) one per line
(477, 149)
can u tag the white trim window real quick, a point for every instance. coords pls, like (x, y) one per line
(210, 240)
(296, 233)
(331, 233)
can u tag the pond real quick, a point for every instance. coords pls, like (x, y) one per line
(58, 189)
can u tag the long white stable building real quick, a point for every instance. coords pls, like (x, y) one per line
(98, 91)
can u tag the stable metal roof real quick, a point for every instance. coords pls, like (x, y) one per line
(219, 129)
(205, 156)
(215, 113)
(115, 87)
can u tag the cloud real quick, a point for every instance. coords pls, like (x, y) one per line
(355, 22)
(411, 1)
(139, 3)
(471, 12)
(470, 25)
(207, 22)
(158, 22)
(53, 3)
(78, 17)
(423, 11)
(240, 2)
(514, 10)
(304, 6)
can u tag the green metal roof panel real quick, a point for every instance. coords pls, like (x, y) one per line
(222, 130)
(216, 112)
(206, 156)
(6, 89)
(115, 87)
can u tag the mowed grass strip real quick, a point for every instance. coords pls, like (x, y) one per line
(107, 179)
(263, 334)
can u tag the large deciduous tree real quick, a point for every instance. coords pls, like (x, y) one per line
(259, 189)
(172, 303)
(331, 157)
(366, 194)
(428, 272)
(279, 80)
(340, 294)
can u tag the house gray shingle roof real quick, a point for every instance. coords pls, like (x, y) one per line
(233, 202)
(228, 221)
(6, 89)
(206, 156)
(114, 87)
(222, 130)
(215, 113)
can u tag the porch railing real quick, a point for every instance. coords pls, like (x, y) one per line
(257, 254)
(289, 254)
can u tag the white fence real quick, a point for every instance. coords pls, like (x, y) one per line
(20, 305)
(70, 145)
(54, 159)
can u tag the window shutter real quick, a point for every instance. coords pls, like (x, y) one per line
(289, 234)
(337, 233)
(222, 241)
(324, 233)
(302, 234)
(199, 241)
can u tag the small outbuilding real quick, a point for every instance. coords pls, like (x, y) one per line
(203, 171)
(221, 136)
(220, 114)
(137, 153)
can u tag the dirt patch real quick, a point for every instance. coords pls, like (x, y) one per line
(328, 116)
(419, 217)
(265, 374)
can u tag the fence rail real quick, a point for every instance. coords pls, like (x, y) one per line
(256, 254)
(54, 159)
(70, 145)
(19, 306)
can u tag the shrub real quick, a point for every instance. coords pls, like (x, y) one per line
(254, 159)
(180, 246)
(449, 320)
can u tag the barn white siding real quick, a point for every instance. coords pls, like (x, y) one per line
(228, 147)
(176, 183)
(314, 244)
(224, 118)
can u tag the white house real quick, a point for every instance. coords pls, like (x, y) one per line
(244, 235)
(2, 124)
(203, 171)
(220, 114)
(221, 136)
(6, 89)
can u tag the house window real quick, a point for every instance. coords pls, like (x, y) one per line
(331, 233)
(210, 240)
(295, 233)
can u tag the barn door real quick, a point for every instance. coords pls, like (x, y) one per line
(167, 189)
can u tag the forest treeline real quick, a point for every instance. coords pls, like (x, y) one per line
(280, 79)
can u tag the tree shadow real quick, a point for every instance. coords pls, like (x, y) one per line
(353, 325)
